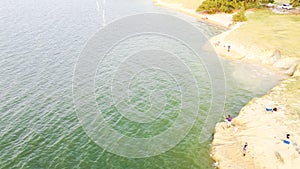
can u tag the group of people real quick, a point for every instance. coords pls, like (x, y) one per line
(228, 120)
(285, 140)
(218, 43)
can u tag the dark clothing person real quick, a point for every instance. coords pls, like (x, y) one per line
(228, 48)
(228, 120)
(287, 139)
(245, 149)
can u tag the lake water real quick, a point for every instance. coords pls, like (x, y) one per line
(40, 42)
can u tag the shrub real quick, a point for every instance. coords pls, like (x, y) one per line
(223, 8)
(240, 16)
(295, 3)
(227, 6)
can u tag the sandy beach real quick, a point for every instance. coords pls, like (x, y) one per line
(268, 57)
(271, 57)
(219, 19)
(263, 130)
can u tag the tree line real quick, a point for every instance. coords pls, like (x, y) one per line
(228, 6)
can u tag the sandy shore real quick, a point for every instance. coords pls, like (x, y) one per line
(263, 131)
(251, 53)
(270, 58)
(220, 19)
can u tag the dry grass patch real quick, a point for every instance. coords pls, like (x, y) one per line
(266, 30)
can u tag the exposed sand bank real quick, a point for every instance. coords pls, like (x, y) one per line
(220, 19)
(263, 131)
(188, 4)
(271, 58)
(268, 57)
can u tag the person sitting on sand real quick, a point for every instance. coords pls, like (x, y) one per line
(245, 149)
(228, 120)
(287, 139)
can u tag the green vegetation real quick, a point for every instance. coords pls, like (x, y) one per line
(240, 16)
(295, 3)
(213, 6)
(266, 30)
(227, 6)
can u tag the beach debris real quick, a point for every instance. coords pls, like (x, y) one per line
(268, 108)
(298, 149)
(278, 156)
(291, 71)
(228, 48)
(236, 129)
(217, 43)
(275, 56)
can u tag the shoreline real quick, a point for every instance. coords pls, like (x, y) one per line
(266, 58)
(214, 19)
(263, 131)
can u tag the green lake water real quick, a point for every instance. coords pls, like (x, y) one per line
(40, 42)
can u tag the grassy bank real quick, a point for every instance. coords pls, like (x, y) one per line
(266, 30)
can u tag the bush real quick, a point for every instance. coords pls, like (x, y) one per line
(227, 6)
(223, 8)
(295, 3)
(240, 16)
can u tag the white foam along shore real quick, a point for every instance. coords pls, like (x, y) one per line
(263, 131)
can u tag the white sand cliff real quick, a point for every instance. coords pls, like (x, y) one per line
(263, 131)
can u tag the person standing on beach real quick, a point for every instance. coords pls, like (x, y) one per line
(228, 48)
(228, 120)
(245, 149)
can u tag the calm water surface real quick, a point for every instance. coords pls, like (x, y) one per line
(40, 42)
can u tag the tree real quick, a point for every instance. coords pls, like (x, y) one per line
(295, 3)
(213, 6)
(240, 16)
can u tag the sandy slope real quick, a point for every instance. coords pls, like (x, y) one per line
(264, 132)
(220, 19)
(188, 4)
